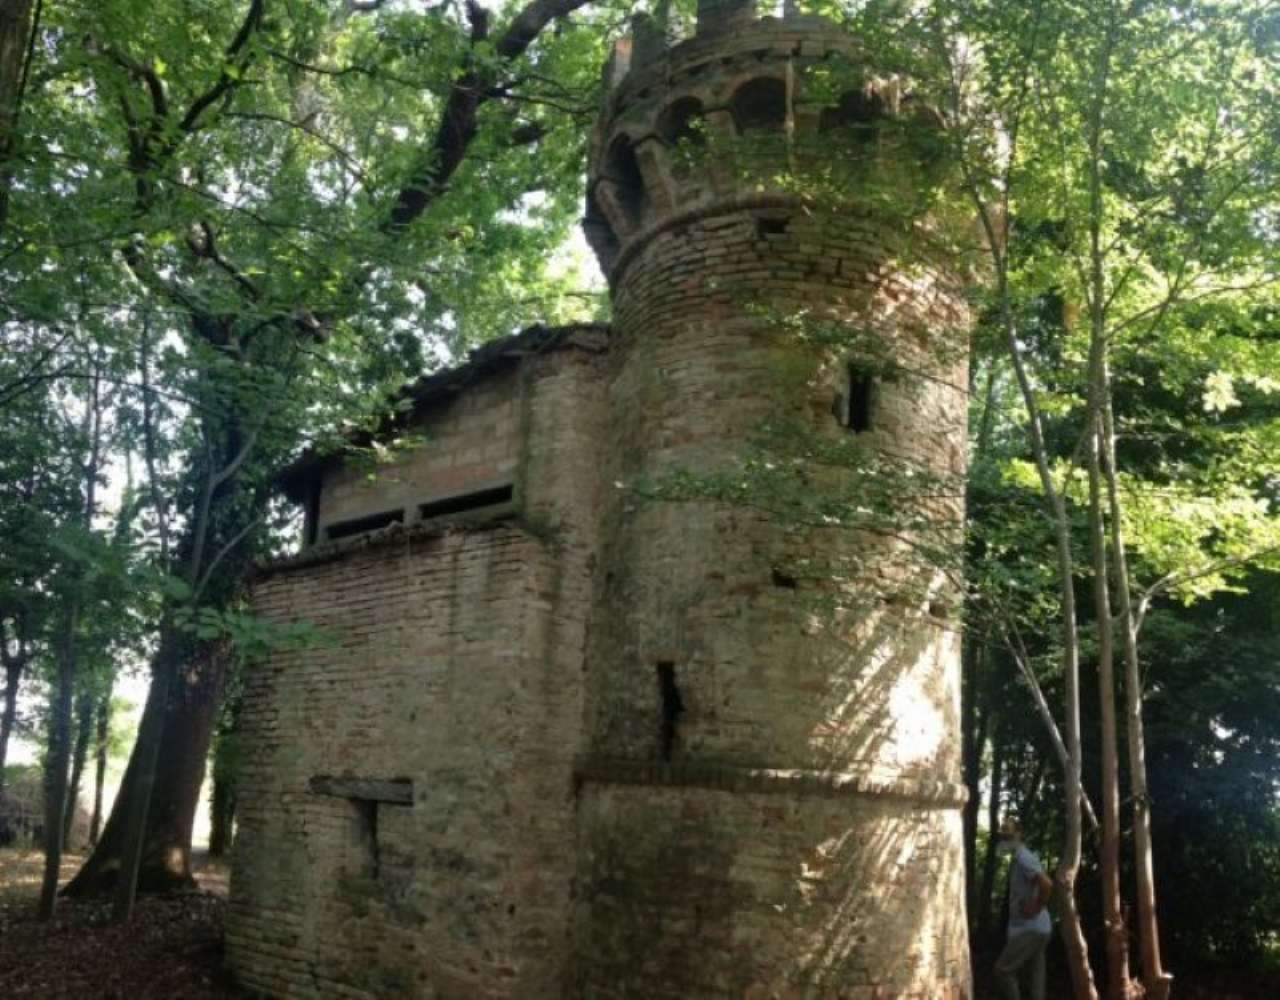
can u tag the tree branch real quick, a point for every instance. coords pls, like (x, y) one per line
(238, 55)
(208, 250)
(221, 554)
(460, 119)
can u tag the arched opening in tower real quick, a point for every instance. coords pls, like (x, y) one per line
(600, 234)
(760, 106)
(856, 117)
(682, 128)
(624, 171)
(681, 122)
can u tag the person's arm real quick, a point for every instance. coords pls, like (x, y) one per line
(1039, 898)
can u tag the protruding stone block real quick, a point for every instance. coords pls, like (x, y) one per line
(721, 15)
(619, 64)
(649, 40)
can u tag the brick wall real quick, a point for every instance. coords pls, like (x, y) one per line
(458, 668)
(467, 442)
(750, 890)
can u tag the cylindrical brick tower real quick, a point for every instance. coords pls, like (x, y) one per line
(769, 791)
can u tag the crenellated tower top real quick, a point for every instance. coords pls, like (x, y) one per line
(748, 91)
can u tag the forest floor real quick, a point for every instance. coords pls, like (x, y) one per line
(171, 950)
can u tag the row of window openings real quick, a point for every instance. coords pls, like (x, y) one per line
(761, 105)
(856, 410)
(476, 500)
(758, 106)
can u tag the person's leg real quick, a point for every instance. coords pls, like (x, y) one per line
(1017, 950)
(1036, 961)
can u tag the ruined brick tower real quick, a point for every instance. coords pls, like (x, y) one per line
(777, 810)
(597, 725)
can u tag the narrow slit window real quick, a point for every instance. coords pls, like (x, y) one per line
(361, 525)
(311, 522)
(671, 708)
(367, 834)
(476, 500)
(368, 798)
(863, 389)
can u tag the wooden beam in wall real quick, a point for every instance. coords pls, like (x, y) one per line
(397, 791)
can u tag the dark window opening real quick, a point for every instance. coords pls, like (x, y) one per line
(771, 227)
(624, 171)
(682, 122)
(360, 525)
(858, 113)
(603, 240)
(671, 709)
(760, 106)
(861, 406)
(367, 834)
(467, 501)
(784, 580)
(311, 515)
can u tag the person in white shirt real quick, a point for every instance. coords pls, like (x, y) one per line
(1029, 924)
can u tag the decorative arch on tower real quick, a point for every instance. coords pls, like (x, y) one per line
(622, 171)
(760, 105)
(681, 121)
(857, 116)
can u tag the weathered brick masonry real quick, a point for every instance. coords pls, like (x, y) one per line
(407, 818)
(575, 740)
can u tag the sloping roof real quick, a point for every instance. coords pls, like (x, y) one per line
(484, 361)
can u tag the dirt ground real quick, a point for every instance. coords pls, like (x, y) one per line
(171, 950)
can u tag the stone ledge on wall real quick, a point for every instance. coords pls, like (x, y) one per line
(789, 781)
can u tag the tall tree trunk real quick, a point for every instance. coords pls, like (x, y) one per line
(184, 746)
(222, 811)
(1098, 295)
(15, 662)
(974, 713)
(60, 744)
(12, 678)
(55, 784)
(100, 770)
(1059, 520)
(1155, 979)
(990, 859)
(226, 773)
(975, 738)
(84, 732)
(15, 43)
(1117, 938)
